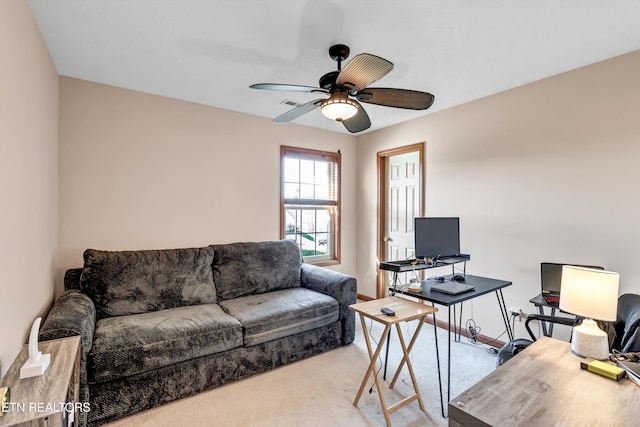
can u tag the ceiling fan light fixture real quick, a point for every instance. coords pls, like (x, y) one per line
(339, 107)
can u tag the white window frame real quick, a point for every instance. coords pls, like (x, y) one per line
(332, 204)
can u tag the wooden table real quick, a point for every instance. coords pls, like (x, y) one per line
(405, 311)
(49, 399)
(544, 386)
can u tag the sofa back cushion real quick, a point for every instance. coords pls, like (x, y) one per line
(131, 282)
(255, 268)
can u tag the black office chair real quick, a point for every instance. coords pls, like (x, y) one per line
(514, 347)
(569, 321)
(624, 333)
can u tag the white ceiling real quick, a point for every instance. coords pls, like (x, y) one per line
(210, 51)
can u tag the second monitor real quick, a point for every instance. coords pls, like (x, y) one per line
(437, 237)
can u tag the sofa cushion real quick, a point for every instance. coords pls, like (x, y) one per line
(254, 268)
(128, 345)
(132, 282)
(278, 314)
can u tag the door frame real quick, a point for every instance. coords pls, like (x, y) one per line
(382, 158)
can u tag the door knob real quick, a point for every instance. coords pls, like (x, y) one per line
(387, 239)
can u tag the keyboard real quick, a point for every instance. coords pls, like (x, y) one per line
(453, 259)
(404, 262)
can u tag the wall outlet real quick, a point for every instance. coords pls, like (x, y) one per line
(522, 316)
(517, 312)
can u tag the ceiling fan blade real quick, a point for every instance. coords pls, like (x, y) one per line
(290, 88)
(298, 111)
(359, 122)
(398, 98)
(363, 70)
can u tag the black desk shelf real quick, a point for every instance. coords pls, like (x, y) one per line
(405, 266)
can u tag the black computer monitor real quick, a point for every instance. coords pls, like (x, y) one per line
(551, 279)
(436, 237)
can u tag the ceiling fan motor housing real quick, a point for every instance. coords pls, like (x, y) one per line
(328, 81)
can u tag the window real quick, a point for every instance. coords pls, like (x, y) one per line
(310, 202)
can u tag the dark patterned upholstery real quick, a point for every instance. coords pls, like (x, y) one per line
(154, 329)
(133, 282)
(255, 268)
(129, 345)
(276, 314)
(341, 287)
(114, 400)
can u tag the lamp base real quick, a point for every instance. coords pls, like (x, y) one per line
(588, 340)
(34, 368)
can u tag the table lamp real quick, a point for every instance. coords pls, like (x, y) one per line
(592, 294)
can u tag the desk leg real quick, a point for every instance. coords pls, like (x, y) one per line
(449, 356)
(553, 313)
(544, 324)
(505, 315)
(455, 323)
(435, 336)
(386, 355)
(457, 330)
(545, 332)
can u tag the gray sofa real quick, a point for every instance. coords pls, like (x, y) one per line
(158, 325)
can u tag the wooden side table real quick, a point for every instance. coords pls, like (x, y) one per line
(50, 399)
(405, 310)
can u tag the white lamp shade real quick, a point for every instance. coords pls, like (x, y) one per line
(339, 107)
(589, 292)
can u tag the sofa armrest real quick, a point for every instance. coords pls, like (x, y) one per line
(72, 314)
(340, 286)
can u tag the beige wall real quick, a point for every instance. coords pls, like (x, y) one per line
(142, 171)
(28, 176)
(544, 172)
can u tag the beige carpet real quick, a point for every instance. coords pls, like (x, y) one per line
(319, 391)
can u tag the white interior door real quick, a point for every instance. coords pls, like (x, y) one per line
(402, 206)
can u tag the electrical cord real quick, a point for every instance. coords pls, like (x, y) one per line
(496, 338)
(408, 334)
(618, 355)
(474, 330)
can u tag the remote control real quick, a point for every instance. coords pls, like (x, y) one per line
(388, 311)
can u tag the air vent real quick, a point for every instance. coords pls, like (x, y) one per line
(290, 103)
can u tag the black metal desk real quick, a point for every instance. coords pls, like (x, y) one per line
(483, 286)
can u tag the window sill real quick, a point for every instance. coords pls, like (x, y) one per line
(324, 263)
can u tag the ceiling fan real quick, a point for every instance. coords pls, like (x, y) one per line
(347, 86)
